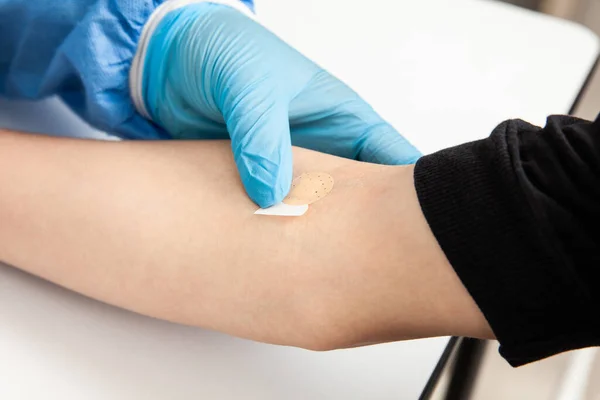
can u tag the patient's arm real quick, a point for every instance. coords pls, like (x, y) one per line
(165, 229)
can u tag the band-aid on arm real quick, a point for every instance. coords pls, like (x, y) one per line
(306, 189)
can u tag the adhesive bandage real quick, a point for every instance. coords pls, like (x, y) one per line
(306, 189)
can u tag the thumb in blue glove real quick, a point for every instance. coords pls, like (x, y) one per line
(211, 72)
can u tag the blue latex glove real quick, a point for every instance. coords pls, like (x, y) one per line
(80, 51)
(212, 72)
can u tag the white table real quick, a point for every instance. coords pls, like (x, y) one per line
(427, 66)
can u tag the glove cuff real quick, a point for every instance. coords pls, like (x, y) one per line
(136, 72)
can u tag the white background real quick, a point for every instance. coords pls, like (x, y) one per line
(443, 72)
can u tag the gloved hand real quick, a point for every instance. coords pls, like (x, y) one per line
(211, 72)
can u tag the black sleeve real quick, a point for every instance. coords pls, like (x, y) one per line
(518, 217)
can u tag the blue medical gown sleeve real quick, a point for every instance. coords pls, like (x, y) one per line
(81, 51)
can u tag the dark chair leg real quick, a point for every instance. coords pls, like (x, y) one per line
(465, 369)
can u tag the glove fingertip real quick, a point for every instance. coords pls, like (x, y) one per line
(412, 155)
(384, 145)
(266, 187)
(263, 195)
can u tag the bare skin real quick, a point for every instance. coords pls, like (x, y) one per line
(165, 229)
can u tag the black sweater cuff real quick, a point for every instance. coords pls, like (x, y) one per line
(472, 199)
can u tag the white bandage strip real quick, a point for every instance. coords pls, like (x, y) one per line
(284, 210)
(136, 73)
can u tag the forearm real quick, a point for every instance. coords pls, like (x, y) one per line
(165, 229)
